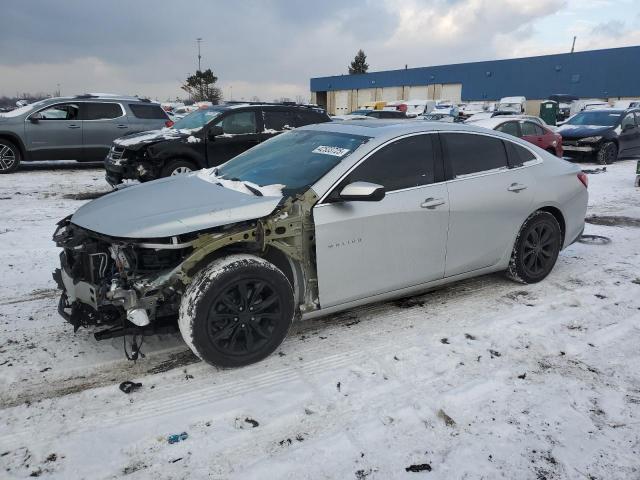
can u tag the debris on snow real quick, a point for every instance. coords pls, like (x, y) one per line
(129, 386)
(448, 421)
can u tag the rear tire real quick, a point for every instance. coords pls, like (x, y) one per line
(10, 156)
(607, 154)
(236, 311)
(178, 167)
(536, 249)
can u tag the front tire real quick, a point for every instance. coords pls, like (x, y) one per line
(607, 154)
(10, 157)
(178, 167)
(236, 311)
(536, 250)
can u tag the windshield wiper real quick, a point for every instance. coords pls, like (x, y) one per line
(255, 191)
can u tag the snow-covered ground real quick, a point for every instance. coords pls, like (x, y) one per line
(482, 379)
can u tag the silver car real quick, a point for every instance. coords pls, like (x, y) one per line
(317, 220)
(73, 128)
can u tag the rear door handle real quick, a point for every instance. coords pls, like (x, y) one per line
(432, 203)
(516, 187)
(74, 126)
(122, 126)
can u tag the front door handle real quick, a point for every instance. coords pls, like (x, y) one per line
(74, 126)
(516, 187)
(122, 126)
(432, 203)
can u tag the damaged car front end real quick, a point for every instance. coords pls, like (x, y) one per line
(108, 282)
(130, 278)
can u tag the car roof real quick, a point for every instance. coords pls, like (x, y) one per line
(610, 110)
(499, 120)
(387, 129)
(101, 97)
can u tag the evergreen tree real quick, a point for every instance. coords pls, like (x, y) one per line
(201, 87)
(359, 64)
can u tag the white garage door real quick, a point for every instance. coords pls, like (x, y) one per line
(366, 95)
(452, 91)
(390, 94)
(342, 102)
(418, 92)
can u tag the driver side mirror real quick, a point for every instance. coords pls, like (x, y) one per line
(35, 118)
(214, 131)
(362, 192)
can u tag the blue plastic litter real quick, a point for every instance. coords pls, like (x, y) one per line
(177, 437)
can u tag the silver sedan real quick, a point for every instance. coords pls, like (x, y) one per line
(317, 220)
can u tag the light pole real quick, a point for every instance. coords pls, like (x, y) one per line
(199, 41)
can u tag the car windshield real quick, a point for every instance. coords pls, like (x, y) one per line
(600, 118)
(509, 106)
(295, 159)
(197, 119)
(22, 110)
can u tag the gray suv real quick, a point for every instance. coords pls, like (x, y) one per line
(73, 128)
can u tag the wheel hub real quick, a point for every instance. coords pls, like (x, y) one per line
(243, 317)
(7, 157)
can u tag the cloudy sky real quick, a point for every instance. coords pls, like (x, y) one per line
(270, 48)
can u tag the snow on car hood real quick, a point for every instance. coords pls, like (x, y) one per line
(171, 206)
(581, 131)
(154, 136)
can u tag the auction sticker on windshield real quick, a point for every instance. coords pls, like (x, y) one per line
(335, 151)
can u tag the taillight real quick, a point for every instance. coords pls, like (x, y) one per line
(402, 107)
(169, 123)
(584, 179)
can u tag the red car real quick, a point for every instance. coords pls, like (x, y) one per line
(531, 129)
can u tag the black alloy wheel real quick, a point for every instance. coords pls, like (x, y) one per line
(536, 249)
(243, 318)
(236, 311)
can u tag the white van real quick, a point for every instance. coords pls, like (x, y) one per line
(512, 104)
(629, 103)
(446, 106)
(578, 106)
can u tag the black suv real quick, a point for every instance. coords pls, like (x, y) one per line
(607, 133)
(205, 138)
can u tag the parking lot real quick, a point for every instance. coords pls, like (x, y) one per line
(484, 378)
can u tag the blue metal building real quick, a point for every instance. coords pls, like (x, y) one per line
(608, 73)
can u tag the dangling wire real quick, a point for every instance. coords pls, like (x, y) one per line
(136, 345)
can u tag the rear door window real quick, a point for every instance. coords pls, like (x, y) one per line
(509, 127)
(531, 129)
(278, 120)
(471, 153)
(101, 111)
(518, 155)
(405, 163)
(148, 111)
(307, 117)
(239, 123)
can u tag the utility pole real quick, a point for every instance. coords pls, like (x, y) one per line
(199, 40)
(573, 46)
